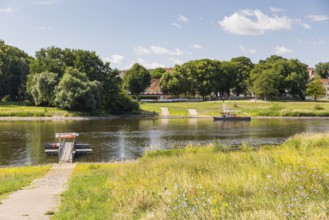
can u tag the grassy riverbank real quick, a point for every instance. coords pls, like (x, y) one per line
(211, 108)
(22, 109)
(275, 182)
(259, 108)
(12, 179)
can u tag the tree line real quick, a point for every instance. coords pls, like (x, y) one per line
(273, 77)
(76, 80)
(79, 80)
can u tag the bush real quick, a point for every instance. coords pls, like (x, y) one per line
(319, 107)
(123, 104)
(220, 147)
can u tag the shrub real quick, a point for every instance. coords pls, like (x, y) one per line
(319, 107)
(218, 146)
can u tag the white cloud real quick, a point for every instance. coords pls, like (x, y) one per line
(299, 41)
(42, 28)
(45, 3)
(241, 23)
(149, 65)
(115, 59)
(142, 50)
(183, 19)
(318, 17)
(252, 51)
(176, 25)
(163, 51)
(245, 50)
(282, 50)
(275, 10)
(157, 51)
(305, 25)
(6, 10)
(319, 42)
(175, 61)
(195, 46)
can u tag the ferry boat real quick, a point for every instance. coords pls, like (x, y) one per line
(230, 115)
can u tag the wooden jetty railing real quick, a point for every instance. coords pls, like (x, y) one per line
(66, 149)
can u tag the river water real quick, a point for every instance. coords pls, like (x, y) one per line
(21, 142)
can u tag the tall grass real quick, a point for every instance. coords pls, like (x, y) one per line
(12, 179)
(290, 181)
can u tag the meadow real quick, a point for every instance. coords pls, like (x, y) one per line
(14, 178)
(244, 107)
(290, 181)
(23, 109)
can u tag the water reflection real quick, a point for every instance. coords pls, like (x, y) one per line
(21, 142)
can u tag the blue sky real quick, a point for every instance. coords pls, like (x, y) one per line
(163, 33)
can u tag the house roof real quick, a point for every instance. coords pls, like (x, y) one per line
(154, 82)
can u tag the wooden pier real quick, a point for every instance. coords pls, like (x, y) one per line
(66, 147)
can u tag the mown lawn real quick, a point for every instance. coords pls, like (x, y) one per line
(258, 108)
(290, 181)
(22, 109)
(14, 178)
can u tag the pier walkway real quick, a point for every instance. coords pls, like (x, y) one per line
(67, 152)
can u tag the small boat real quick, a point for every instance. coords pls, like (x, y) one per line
(232, 118)
(229, 115)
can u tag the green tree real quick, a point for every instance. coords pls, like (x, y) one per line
(89, 63)
(322, 69)
(176, 82)
(42, 88)
(114, 98)
(225, 79)
(263, 81)
(56, 60)
(297, 78)
(14, 67)
(265, 85)
(242, 68)
(170, 84)
(203, 75)
(76, 92)
(136, 80)
(315, 89)
(49, 59)
(157, 73)
(286, 76)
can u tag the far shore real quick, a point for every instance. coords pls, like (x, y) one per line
(56, 118)
(88, 118)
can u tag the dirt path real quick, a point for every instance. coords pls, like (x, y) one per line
(40, 198)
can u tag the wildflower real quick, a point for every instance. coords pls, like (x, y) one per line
(269, 176)
(168, 192)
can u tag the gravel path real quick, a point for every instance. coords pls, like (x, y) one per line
(40, 198)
